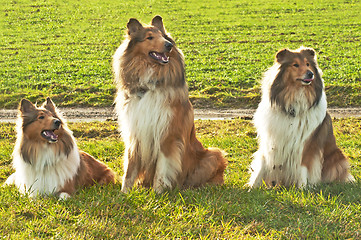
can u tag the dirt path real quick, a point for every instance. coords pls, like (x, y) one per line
(102, 114)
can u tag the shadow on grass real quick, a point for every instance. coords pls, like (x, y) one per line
(324, 211)
(327, 210)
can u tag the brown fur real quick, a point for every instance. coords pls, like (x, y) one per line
(91, 171)
(335, 164)
(132, 61)
(199, 165)
(34, 121)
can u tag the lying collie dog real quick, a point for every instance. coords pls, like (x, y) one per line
(155, 115)
(46, 158)
(296, 141)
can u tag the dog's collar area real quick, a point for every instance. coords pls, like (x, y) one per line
(141, 92)
(291, 111)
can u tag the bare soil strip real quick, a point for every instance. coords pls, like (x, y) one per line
(104, 114)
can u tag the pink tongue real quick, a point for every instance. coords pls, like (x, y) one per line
(51, 135)
(164, 58)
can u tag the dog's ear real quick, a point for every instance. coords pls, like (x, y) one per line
(308, 52)
(157, 22)
(27, 112)
(134, 26)
(282, 55)
(49, 105)
(26, 106)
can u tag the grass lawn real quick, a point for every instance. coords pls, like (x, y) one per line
(63, 49)
(330, 211)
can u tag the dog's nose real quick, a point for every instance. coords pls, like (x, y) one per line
(57, 123)
(309, 74)
(168, 45)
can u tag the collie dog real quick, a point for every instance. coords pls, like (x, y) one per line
(296, 141)
(46, 158)
(155, 115)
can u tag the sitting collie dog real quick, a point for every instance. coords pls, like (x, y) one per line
(296, 141)
(155, 115)
(46, 158)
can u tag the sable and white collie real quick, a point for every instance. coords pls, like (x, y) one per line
(296, 141)
(46, 158)
(155, 115)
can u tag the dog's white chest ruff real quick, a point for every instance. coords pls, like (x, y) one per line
(282, 138)
(145, 119)
(144, 123)
(47, 174)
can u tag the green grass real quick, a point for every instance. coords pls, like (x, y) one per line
(63, 49)
(329, 211)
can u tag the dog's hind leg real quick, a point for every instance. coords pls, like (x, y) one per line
(335, 165)
(209, 170)
(336, 168)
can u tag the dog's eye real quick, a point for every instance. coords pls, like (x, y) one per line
(149, 38)
(41, 117)
(307, 64)
(296, 65)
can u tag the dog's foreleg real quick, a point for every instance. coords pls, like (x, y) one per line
(257, 171)
(129, 178)
(10, 180)
(303, 177)
(167, 170)
(131, 170)
(256, 179)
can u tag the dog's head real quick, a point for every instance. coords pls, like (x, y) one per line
(298, 77)
(40, 124)
(300, 66)
(150, 41)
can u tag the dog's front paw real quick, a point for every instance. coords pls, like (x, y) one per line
(63, 196)
(10, 180)
(125, 189)
(161, 184)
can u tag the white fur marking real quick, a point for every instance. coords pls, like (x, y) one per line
(303, 178)
(47, 174)
(64, 196)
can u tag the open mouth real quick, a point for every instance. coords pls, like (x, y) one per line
(50, 136)
(306, 81)
(160, 57)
